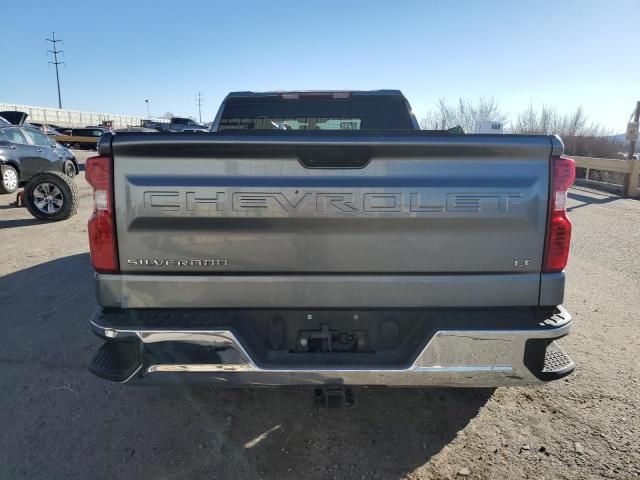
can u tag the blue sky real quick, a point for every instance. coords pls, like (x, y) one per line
(562, 53)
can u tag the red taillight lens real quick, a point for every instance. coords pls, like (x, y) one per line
(559, 228)
(558, 242)
(102, 237)
(564, 173)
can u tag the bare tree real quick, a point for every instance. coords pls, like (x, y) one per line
(432, 121)
(548, 121)
(168, 115)
(464, 114)
(575, 123)
(580, 137)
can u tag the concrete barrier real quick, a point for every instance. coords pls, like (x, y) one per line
(75, 118)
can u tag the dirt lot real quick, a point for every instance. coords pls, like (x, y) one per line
(57, 421)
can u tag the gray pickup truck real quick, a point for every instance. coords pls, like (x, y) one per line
(321, 238)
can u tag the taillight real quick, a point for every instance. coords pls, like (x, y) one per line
(102, 230)
(563, 173)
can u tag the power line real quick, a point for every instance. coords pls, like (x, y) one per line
(199, 102)
(55, 51)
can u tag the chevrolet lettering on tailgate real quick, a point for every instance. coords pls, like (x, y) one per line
(398, 203)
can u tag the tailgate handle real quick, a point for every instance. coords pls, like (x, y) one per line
(334, 157)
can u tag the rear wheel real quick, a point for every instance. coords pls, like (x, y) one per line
(51, 196)
(10, 180)
(69, 169)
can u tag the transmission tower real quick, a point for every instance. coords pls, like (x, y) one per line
(56, 52)
(199, 102)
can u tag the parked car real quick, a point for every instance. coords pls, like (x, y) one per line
(321, 238)
(13, 117)
(195, 130)
(51, 132)
(137, 129)
(100, 127)
(31, 159)
(47, 128)
(78, 138)
(71, 167)
(176, 124)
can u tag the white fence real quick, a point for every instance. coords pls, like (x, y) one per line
(74, 118)
(628, 167)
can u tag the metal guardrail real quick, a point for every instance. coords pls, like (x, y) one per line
(628, 167)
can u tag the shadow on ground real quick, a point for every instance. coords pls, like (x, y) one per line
(8, 207)
(20, 222)
(61, 422)
(590, 199)
(280, 434)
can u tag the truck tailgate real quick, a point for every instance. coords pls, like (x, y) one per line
(419, 204)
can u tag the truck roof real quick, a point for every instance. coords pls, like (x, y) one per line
(336, 93)
(367, 105)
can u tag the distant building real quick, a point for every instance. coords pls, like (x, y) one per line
(488, 127)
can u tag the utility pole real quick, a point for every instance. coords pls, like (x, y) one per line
(199, 102)
(55, 51)
(631, 182)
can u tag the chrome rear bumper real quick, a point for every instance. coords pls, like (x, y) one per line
(480, 358)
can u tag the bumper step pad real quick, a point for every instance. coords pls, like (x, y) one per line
(556, 360)
(116, 361)
(547, 360)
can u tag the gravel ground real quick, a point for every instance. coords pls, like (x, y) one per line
(57, 421)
